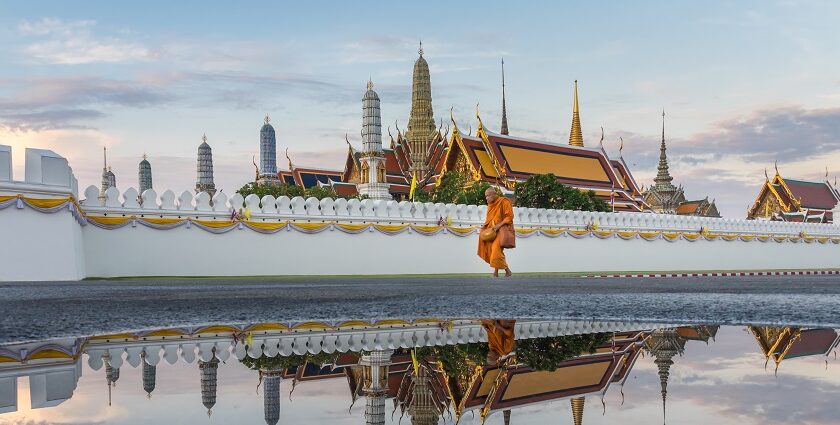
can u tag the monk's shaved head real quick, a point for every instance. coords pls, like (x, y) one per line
(491, 194)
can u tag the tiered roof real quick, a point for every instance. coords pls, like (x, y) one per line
(504, 160)
(797, 200)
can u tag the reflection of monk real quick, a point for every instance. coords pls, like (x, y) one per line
(500, 338)
(499, 213)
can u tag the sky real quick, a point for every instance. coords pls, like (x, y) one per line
(743, 84)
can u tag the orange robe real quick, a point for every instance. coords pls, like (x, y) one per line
(500, 335)
(500, 211)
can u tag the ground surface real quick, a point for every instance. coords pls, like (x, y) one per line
(31, 311)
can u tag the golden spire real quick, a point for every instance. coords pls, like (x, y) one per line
(504, 129)
(577, 409)
(576, 135)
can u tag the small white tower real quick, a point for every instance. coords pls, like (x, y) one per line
(204, 168)
(372, 160)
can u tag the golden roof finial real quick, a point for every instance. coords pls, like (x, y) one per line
(576, 135)
(291, 167)
(601, 142)
(776, 166)
(370, 83)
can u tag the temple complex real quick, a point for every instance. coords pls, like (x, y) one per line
(665, 198)
(781, 199)
(204, 169)
(425, 151)
(144, 175)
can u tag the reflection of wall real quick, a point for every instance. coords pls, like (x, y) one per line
(49, 384)
(8, 394)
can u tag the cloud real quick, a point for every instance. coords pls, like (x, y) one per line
(73, 43)
(70, 102)
(789, 134)
(49, 120)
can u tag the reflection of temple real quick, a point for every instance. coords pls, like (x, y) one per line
(149, 376)
(209, 378)
(271, 395)
(664, 197)
(779, 343)
(112, 374)
(664, 344)
(782, 199)
(378, 374)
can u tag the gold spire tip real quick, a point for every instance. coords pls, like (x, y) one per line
(370, 84)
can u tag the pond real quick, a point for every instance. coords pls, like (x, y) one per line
(428, 371)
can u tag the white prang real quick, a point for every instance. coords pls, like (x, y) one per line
(372, 160)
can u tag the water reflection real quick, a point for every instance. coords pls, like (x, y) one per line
(425, 372)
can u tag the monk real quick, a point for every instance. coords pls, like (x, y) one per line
(499, 213)
(500, 339)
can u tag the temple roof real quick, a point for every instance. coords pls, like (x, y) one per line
(501, 159)
(796, 196)
(813, 194)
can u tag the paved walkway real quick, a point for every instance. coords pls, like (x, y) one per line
(61, 309)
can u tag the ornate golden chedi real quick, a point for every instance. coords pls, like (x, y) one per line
(665, 198)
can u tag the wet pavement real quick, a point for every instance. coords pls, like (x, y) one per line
(33, 311)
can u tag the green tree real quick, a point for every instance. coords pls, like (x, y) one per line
(544, 191)
(278, 362)
(474, 193)
(452, 190)
(275, 190)
(548, 353)
(290, 190)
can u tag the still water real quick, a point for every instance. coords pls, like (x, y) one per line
(427, 372)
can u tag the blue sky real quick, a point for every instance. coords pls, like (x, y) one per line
(743, 84)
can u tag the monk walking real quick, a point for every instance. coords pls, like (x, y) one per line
(499, 213)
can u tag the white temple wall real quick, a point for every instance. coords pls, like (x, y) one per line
(40, 246)
(193, 252)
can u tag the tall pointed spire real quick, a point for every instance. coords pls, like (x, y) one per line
(663, 177)
(421, 122)
(576, 135)
(504, 108)
(106, 181)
